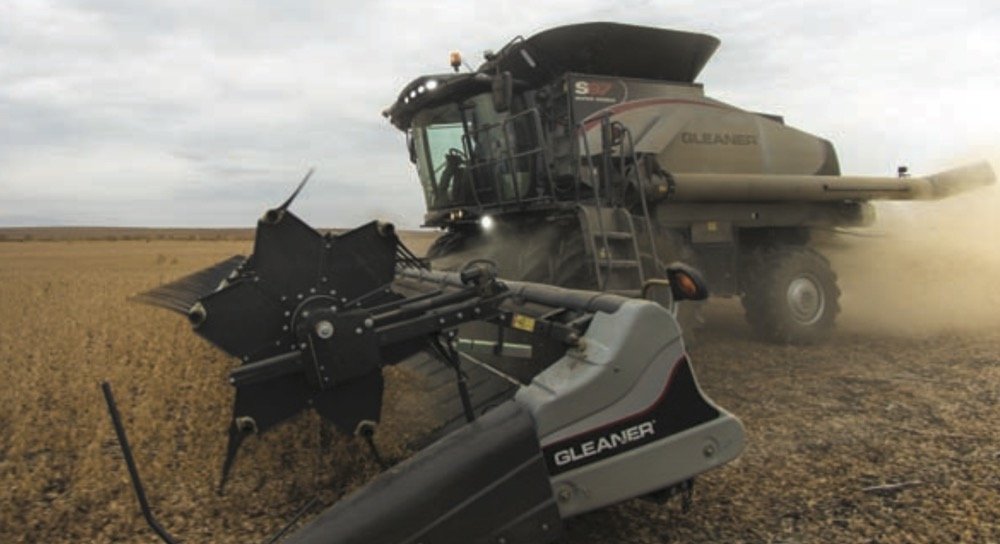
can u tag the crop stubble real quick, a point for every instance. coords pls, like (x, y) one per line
(824, 422)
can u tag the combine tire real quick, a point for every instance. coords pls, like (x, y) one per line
(791, 296)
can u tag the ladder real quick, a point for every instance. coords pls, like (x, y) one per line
(609, 234)
(609, 228)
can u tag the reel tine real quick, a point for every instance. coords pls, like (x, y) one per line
(232, 448)
(180, 294)
(284, 206)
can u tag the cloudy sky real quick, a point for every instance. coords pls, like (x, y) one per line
(194, 113)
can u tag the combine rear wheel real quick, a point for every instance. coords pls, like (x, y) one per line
(791, 296)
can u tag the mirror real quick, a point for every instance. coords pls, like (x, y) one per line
(411, 146)
(686, 282)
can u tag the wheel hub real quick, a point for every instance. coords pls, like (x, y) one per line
(806, 300)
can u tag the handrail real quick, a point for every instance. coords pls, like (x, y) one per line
(640, 184)
(491, 167)
(602, 281)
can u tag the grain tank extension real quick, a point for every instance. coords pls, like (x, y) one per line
(587, 156)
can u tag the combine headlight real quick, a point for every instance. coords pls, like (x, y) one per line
(432, 84)
(486, 222)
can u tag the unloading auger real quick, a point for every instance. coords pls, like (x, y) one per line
(551, 402)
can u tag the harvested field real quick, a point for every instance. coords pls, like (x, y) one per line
(909, 405)
(825, 423)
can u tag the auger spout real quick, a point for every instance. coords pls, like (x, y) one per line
(696, 187)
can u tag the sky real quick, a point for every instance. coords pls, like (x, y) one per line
(194, 113)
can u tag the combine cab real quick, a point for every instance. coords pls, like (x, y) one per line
(569, 159)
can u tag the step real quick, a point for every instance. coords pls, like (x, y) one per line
(617, 263)
(614, 235)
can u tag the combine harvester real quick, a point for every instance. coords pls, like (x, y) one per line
(592, 152)
(549, 401)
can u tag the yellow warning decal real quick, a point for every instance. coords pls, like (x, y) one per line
(522, 322)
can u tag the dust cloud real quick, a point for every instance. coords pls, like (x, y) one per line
(929, 267)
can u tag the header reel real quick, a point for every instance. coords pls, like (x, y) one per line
(313, 317)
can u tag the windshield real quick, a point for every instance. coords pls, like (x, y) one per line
(440, 140)
(442, 153)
